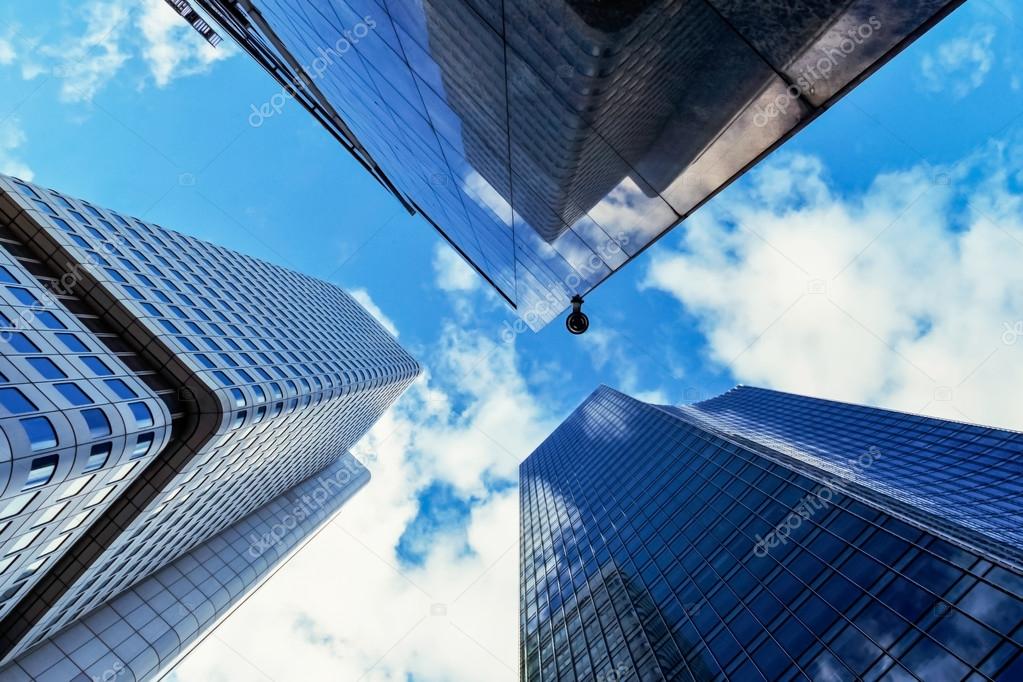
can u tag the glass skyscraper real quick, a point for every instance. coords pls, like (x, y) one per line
(174, 419)
(760, 535)
(552, 141)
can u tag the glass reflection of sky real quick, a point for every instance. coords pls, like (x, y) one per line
(552, 141)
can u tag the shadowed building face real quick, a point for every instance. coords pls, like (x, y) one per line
(550, 141)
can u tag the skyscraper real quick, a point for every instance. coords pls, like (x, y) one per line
(551, 142)
(767, 536)
(160, 398)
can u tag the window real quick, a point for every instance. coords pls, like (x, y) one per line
(51, 512)
(23, 296)
(49, 320)
(6, 562)
(142, 414)
(40, 433)
(97, 366)
(239, 419)
(121, 472)
(19, 342)
(46, 368)
(76, 520)
(73, 343)
(100, 496)
(54, 544)
(15, 402)
(120, 389)
(24, 541)
(239, 397)
(16, 505)
(31, 568)
(41, 471)
(145, 442)
(73, 394)
(97, 422)
(76, 486)
(98, 456)
(6, 276)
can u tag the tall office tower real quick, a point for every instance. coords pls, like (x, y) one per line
(551, 141)
(158, 396)
(767, 536)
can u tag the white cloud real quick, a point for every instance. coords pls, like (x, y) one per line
(11, 138)
(88, 61)
(7, 53)
(172, 48)
(364, 299)
(898, 296)
(453, 273)
(102, 39)
(344, 609)
(961, 64)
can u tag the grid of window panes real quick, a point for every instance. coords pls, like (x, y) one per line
(552, 141)
(77, 426)
(642, 560)
(282, 372)
(971, 475)
(139, 632)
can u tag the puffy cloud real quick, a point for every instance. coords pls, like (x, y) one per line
(453, 273)
(11, 138)
(7, 53)
(87, 61)
(961, 64)
(103, 39)
(364, 299)
(172, 48)
(906, 295)
(351, 605)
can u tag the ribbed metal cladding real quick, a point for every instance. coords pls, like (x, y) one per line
(261, 376)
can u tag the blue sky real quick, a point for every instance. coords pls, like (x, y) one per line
(874, 258)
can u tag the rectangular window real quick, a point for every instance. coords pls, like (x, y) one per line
(15, 402)
(40, 433)
(74, 395)
(46, 368)
(16, 505)
(51, 512)
(98, 456)
(41, 471)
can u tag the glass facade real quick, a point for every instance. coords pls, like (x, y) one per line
(156, 389)
(711, 542)
(550, 142)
